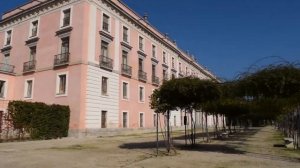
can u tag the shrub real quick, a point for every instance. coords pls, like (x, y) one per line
(40, 120)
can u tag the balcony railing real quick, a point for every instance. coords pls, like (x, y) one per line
(29, 66)
(165, 77)
(155, 80)
(126, 70)
(142, 76)
(61, 59)
(106, 62)
(6, 68)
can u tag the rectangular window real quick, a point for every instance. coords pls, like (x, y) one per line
(153, 70)
(155, 120)
(141, 94)
(173, 62)
(125, 34)
(125, 90)
(179, 67)
(175, 121)
(104, 86)
(28, 88)
(62, 85)
(141, 43)
(141, 120)
(186, 70)
(66, 17)
(32, 53)
(105, 23)
(124, 57)
(164, 58)
(2, 89)
(125, 119)
(103, 119)
(34, 28)
(104, 49)
(141, 64)
(65, 45)
(153, 51)
(8, 37)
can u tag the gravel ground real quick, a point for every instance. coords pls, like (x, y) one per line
(251, 148)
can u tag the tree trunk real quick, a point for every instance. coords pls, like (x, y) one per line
(206, 128)
(168, 132)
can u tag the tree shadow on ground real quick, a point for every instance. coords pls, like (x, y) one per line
(237, 138)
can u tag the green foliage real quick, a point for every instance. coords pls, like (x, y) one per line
(184, 93)
(41, 121)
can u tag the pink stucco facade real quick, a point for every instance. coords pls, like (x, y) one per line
(86, 76)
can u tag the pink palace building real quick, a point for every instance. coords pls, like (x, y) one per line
(97, 56)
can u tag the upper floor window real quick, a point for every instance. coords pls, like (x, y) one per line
(125, 34)
(2, 88)
(104, 49)
(65, 45)
(141, 43)
(8, 37)
(153, 51)
(173, 62)
(105, 23)
(32, 53)
(153, 70)
(164, 57)
(179, 67)
(61, 88)
(34, 28)
(66, 18)
(124, 57)
(141, 64)
(104, 85)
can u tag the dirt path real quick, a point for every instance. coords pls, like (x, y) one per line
(253, 148)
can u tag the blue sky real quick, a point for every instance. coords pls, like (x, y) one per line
(226, 36)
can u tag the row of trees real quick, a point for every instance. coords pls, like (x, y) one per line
(266, 95)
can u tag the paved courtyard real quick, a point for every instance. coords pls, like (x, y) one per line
(253, 148)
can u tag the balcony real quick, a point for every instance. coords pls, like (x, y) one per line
(142, 76)
(106, 63)
(165, 77)
(6, 68)
(126, 70)
(155, 80)
(29, 66)
(61, 59)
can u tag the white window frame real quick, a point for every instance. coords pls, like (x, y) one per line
(5, 89)
(62, 17)
(128, 38)
(166, 58)
(144, 93)
(31, 26)
(57, 84)
(128, 90)
(109, 22)
(155, 50)
(26, 88)
(144, 123)
(5, 38)
(143, 42)
(107, 88)
(127, 119)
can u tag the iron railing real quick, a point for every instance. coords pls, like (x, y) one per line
(106, 62)
(6, 68)
(29, 66)
(126, 70)
(61, 59)
(142, 76)
(155, 80)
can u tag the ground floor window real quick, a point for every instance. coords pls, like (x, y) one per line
(141, 120)
(103, 119)
(125, 119)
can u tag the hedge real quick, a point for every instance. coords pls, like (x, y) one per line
(40, 120)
